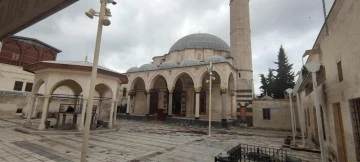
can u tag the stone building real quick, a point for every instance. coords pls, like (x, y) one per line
(16, 83)
(328, 88)
(16, 52)
(175, 84)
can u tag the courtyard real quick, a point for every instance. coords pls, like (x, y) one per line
(137, 141)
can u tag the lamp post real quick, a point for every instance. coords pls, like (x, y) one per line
(289, 91)
(314, 67)
(210, 70)
(103, 20)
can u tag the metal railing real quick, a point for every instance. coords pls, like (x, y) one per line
(251, 153)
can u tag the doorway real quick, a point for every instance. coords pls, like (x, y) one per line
(339, 132)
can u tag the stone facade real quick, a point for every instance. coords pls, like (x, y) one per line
(279, 114)
(338, 86)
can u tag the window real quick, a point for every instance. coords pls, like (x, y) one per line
(15, 57)
(28, 87)
(340, 74)
(266, 114)
(355, 117)
(124, 92)
(321, 75)
(18, 86)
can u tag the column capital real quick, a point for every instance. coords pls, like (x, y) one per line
(223, 90)
(171, 89)
(197, 89)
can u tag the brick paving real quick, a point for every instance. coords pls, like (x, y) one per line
(136, 141)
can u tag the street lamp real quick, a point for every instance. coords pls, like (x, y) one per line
(103, 20)
(210, 70)
(289, 91)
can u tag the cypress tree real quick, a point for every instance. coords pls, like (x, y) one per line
(284, 76)
(264, 85)
(271, 83)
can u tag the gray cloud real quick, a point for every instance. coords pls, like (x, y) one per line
(142, 29)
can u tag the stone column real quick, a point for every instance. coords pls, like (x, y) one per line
(300, 117)
(128, 104)
(223, 105)
(44, 113)
(115, 113)
(27, 123)
(100, 108)
(170, 103)
(111, 114)
(34, 107)
(148, 96)
(197, 103)
(234, 105)
(83, 112)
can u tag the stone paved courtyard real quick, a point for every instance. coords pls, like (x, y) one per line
(136, 141)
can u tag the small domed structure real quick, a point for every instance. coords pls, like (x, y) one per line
(133, 69)
(215, 59)
(190, 62)
(168, 65)
(147, 67)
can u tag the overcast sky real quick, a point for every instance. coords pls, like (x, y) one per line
(142, 29)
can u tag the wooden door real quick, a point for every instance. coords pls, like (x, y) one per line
(339, 131)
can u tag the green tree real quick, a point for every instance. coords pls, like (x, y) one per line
(284, 76)
(267, 83)
(271, 82)
(264, 85)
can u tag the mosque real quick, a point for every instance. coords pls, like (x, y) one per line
(175, 84)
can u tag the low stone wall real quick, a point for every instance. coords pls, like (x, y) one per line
(11, 102)
(179, 121)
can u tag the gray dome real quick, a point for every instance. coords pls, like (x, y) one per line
(215, 59)
(190, 62)
(200, 41)
(168, 65)
(147, 67)
(133, 69)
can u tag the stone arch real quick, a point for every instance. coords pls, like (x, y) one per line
(155, 78)
(178, 75)
(183, 95)
(231, 82)
(216, 74)
(72, 84)
(102, 88)
(138, 96)
(134, 81)
(37, 86)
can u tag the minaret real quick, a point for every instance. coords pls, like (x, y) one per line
(240, 44)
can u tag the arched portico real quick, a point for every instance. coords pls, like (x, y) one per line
(158, 96)
(137, 97)
(183, 96)
(76, 77)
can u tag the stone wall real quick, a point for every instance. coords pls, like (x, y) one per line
(280, 116)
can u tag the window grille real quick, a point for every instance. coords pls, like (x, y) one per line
(266, 114)
(355, 115)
